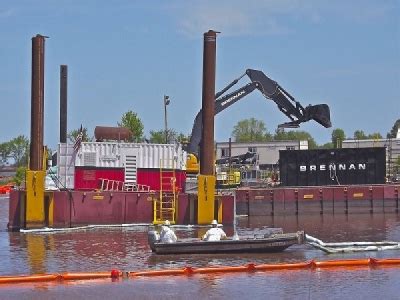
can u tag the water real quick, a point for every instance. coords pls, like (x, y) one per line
(126, 249)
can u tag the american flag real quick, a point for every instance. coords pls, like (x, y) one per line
(78, 139)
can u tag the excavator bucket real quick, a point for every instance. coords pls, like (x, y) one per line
(319, 113)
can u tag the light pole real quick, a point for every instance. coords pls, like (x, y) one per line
(166, 102)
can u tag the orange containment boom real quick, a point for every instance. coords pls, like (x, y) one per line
(187, 271)
(5, 189)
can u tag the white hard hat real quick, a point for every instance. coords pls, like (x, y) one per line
(214, 222)
(167, 223)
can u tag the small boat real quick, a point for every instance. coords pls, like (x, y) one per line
(272, 243)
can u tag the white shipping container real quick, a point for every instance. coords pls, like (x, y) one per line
(130, 156)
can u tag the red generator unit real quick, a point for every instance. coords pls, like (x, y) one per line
(90, 178)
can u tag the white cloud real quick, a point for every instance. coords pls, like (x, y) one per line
(270, 17)
(231, 22)
(233, 18)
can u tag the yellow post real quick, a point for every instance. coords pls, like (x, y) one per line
(50, 209)
(34, 215)
(206, 198)
(220, 215)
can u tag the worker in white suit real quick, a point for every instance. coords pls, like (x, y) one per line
(166, 233)
(214, 233)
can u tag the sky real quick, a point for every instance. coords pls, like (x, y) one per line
(126, 55)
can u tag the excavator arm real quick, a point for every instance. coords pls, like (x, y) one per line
(270, 90)
(220, 105)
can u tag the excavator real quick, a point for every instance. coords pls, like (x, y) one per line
(271, 90)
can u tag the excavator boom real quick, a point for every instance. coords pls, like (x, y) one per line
(270, 90)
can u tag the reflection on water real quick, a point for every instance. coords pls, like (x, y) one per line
(126, 249)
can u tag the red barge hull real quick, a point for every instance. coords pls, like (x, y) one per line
(77, 208)
(351, 199)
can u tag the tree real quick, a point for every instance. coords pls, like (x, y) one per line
(158, 136)
(131, 121)
(359, 135)
(375, 136)
(19, 150)
(251, 130)
(19, 177)
(73, 134)
(393, 132)
(295, 135)
(4, 152)
(280, 134)
(338, 136)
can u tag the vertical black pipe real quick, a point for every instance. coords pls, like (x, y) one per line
(63, 102)
(37, 103)
(208, 104)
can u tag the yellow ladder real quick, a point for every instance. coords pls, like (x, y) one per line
(164, 208)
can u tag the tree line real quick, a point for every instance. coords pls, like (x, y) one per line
(252, 130)
(247, 130)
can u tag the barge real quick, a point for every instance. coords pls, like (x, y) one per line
(76, 208)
